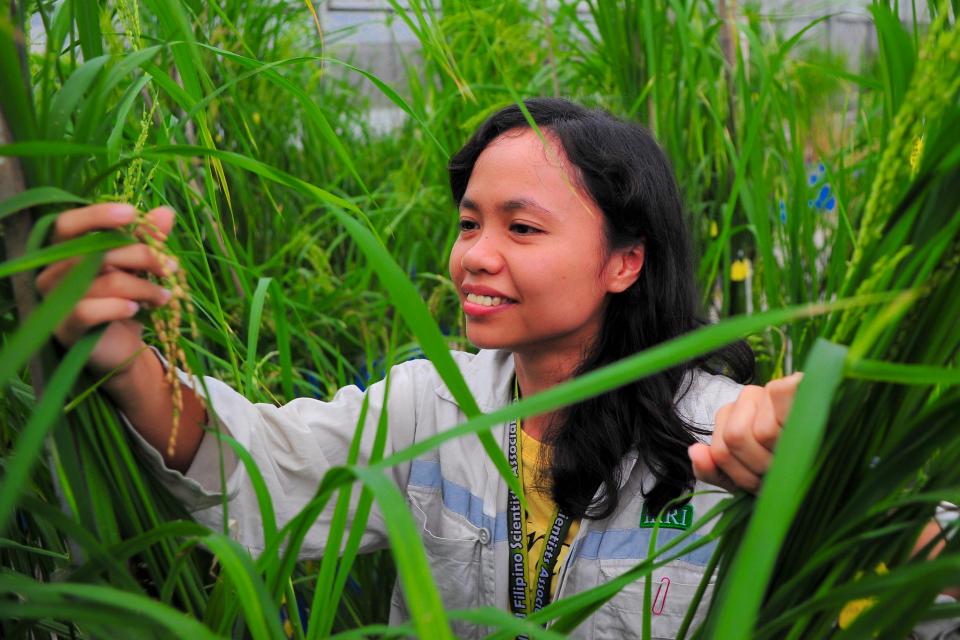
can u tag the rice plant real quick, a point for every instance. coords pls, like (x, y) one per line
(312, 252)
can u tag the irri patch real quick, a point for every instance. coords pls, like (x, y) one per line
(676, 518)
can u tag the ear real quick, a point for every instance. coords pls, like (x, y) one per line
(624, 267)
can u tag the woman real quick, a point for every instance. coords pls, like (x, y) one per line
(572, 254)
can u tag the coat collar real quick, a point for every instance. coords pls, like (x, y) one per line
(489, 376)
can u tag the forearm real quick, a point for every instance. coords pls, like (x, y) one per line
(142, 393)
(931, 531)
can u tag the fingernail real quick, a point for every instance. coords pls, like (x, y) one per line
(134, 307)
(165, 296)
(172, 265)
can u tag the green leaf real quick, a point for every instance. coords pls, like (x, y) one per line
(902, 373)
(283, 339)
(404, 630)
(16, 103)
(253, 333)
(419, 589)
(53, 149)
(88, 26)
(139, 543)
(264, 500)
(123, 111)
(259, 610)
(783, 490)
(506, 621)
(90, 243)
(93, 604)
(36, 197)
(69, 96)
(26, 452)
(38, 328)
(70, 527)
(396, 99)
(658, 358)
(6, 543)
(897, 57)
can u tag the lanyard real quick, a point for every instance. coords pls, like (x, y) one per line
(526, 598)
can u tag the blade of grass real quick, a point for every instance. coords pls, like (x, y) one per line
(420, 591)
(324, 605)
(505, 621)
(87, 244)
(783, 489)
(36, 197)
(259, 610)
(264, 500)
(69, 527)
(902, 373)
(648, 362)
(253, 333)
(38, 328)
(283, 339)
(101, 605)
(137, 544)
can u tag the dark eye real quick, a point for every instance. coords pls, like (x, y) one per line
(523, 229)
(467, 225)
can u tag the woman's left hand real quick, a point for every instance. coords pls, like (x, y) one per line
(744, 436)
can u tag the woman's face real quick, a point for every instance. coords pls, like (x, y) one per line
(531, 262)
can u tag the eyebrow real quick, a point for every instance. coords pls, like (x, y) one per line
(513, 204)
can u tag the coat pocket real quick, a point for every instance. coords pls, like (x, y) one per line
(672, 591)
(453, 549)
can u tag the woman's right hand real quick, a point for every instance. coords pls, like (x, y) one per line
(138, 386)
(119, 290)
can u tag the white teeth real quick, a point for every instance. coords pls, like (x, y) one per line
(487, 301)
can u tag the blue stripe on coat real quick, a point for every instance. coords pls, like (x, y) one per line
(633, 544)
(458, 499)
(612, 544)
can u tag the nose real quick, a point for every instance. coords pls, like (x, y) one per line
(482, 255)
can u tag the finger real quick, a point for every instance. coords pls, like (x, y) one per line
(106, 215)
(766, 427)
(741, 476)
(705, 469)
(722, 416)
(735, 432)
(91, 312)
(157, 223)
(135, 257)
(120, 284)
(49, 278)
(782, 392)
(140, 257)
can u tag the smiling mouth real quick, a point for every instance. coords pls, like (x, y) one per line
(487, 301)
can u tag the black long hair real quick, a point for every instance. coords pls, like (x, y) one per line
(632, 181)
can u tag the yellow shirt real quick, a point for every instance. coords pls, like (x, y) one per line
(541, 513)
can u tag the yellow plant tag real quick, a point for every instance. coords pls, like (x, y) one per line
(740, 270)
(852, 610)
